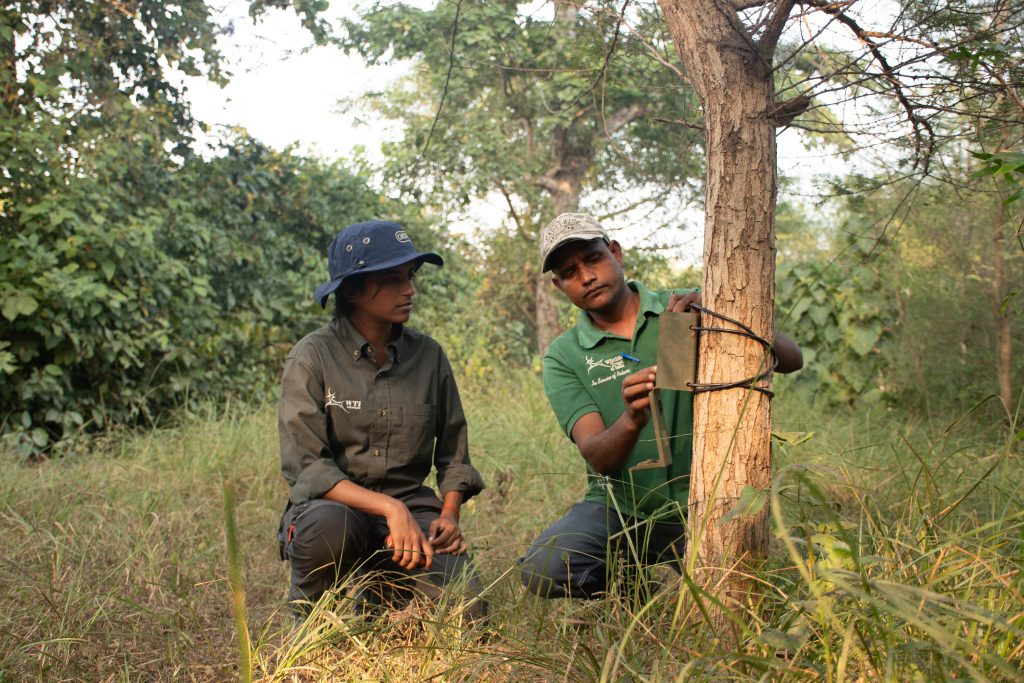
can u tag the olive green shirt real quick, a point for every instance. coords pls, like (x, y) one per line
(583, 373)
(340, 418)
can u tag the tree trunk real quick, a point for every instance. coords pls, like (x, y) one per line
(1004, 346)
(731, 448)
(565, 196)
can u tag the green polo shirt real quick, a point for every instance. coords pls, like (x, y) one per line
(583, 373)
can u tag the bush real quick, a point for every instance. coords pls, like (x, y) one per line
(138, 284)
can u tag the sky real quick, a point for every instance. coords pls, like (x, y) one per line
(287, 92)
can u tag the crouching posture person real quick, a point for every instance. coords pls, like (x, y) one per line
(368, 407)
(597, 377)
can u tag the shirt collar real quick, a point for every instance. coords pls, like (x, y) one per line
(590, 335)
(356, 345)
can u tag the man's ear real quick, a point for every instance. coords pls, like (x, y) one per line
(557, 282)
(616, 249)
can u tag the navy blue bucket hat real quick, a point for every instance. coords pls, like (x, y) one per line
(366, 248)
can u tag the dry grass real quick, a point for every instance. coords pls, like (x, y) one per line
(896, 558)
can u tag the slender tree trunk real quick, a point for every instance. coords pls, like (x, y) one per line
(1004, 339)
(546, 313)
(565, 197)
(731, 427)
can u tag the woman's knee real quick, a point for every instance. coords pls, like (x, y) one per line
(327, 533)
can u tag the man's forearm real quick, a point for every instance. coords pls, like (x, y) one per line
(607, 450)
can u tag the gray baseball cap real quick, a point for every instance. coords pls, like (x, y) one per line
(568, 227)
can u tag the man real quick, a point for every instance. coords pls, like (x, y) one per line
(598, 377)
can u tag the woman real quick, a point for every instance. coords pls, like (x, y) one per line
(368, 406)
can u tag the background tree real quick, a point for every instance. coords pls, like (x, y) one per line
(533, 109)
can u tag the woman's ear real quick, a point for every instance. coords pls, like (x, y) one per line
(349, 293)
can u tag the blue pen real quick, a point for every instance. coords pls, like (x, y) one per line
(629, 357)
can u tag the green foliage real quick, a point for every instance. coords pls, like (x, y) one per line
(1009, 166)
(142, 285)
(841, 313)
(482, 329)
(115, 255)
(546, 112)
(518, 89)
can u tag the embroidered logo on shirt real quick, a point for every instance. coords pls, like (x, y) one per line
(345, 405)
(615, 365)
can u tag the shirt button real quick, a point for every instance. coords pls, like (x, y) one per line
(356, 353)
(383, 413)
(376, 452)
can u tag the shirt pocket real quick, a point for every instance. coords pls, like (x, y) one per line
(417, 429)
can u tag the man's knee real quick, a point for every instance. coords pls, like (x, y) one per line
(536, 575)
(551, 572)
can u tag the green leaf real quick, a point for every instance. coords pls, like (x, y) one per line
(108, 268)
(819, 314)
(864, 336)
(750, 503)
(8, 363)
(39, 437)
(1005, 303)
(19, 304)
(793, 438)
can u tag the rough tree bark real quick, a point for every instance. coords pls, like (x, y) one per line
(572, 156)
(733, 77)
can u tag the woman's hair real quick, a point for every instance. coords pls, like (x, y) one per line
(353, 284)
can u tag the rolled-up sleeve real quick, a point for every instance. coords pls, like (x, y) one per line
(306, 459)
(567, 395)
(455, 472)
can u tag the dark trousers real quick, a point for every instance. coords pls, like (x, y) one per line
(325, 542)
(578, 555)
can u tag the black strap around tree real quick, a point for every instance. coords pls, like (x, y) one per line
(744, 331)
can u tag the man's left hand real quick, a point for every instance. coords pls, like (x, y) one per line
(678, 303)
(446, 536)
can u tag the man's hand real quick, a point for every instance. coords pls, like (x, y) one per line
(406, 538)
(445, 534)
(678, 303)
(636, 394)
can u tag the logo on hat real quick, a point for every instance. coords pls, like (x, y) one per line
(401, 236)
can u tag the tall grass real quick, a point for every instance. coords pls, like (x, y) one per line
(897, 555)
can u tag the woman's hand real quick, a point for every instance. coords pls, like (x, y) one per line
(445, 534)
(406, 538)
